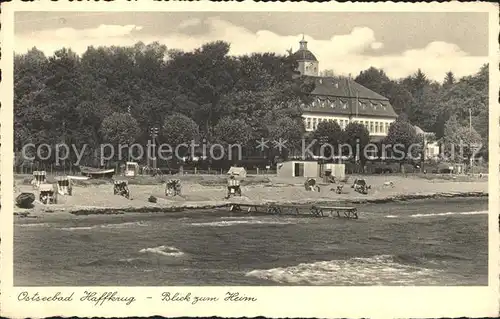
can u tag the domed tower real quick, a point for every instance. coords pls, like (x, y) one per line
(308, 64)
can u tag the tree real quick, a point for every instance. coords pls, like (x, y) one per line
(232, 133)
(403, 142)
(377, 81)
(374, 79)
(205, 76)
(179, 129)
(467, 97)
(289, 130)
(120, 130)
(356, 135)
(449, 80)
(329, 134)
(460, 142)
(31, 96)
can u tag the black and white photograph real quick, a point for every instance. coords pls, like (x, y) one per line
(247, 148)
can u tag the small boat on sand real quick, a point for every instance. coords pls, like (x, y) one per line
(25, 200)
(79, 178)
(97, 172)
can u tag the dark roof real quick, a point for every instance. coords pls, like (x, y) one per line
(341, 86)
(339, 95)
(304, 55)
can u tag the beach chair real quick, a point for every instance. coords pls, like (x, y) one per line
(310, 185)
(47, 194)
(339, 189)
(64, 186)
(173, 187)
(121, 188)
(39, 177)
(233, 187)
(360, 186)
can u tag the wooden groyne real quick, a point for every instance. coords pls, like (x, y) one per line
(312, 211)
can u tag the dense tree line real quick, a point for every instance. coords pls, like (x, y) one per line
(117, 94)
(461, 104)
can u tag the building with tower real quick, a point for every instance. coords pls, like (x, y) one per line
(307, 62)
(342, 100)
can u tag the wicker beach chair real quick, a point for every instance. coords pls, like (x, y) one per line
(360, 186)
(121, 188)
(233, 187)
(310, 185)
(173, 187)
(47, 194)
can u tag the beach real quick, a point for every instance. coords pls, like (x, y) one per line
(199, 191)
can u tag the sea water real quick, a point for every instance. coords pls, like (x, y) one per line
(431, 242)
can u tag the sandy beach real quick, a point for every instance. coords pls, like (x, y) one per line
(209, 192)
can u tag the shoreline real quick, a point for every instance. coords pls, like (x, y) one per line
(52, 210)
(208, 192)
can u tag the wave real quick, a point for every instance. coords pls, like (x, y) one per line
(450, 214)
(107, 226)
(33, 225)
(376, 270)
(125, 225)
(482, 212)
(77, 228)
(127, 262)
(226, 223)
(163, 250)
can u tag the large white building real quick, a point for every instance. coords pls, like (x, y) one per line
(342, 100)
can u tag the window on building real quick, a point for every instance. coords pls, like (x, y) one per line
(308, 123)
(371, 127)
(387, 127)
(376, 127)
(314, 121)
(342, 123)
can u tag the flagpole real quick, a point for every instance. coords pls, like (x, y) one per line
(357, 104)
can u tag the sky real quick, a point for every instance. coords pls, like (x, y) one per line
(347, 43)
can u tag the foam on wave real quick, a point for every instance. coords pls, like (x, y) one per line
(163, 250)
(376, 270)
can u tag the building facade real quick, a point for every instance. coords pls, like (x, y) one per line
(431, 146)
(342, 100)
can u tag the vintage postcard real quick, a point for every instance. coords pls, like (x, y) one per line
(249, 159)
